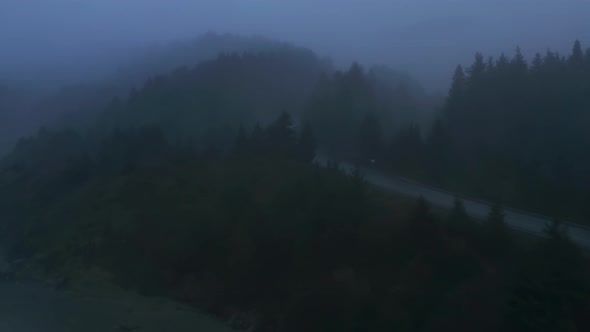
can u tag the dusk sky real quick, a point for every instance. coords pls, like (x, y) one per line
(426, 37)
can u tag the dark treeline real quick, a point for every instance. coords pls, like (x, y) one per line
(207, 104)
(201, 186)
(217, 96)
(28, 103)
(350, 106)
(509, 130)
(166, 58)
(156, 61)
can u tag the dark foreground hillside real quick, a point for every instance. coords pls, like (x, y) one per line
(259, 234)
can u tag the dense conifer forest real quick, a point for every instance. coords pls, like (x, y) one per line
(201, 186)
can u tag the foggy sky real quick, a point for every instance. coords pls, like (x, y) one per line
(425, 37)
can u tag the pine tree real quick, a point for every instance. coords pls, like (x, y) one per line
(502, 62)
(456, 97)
(502, 66)
(458, 84)
(518, 63)
(537, 63)
(355, 78)
(477, 70)
(577, 57)
(490, 65)
(476, 82)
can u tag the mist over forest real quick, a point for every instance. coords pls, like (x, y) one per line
(74, 50)
(301, 165)
(76, 39)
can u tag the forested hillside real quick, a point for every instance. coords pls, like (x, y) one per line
(218, 96)
(27, 105)
(348, 106)
(166, 58)
(511, 130)
(211, 101)
(201, 186)
(262, 238)
(78, 103)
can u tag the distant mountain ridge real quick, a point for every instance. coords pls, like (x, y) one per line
(77, 104)
(165, 58)
(156, 61)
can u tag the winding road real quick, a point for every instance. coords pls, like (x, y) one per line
(519, 220)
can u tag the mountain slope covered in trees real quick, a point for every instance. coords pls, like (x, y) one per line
(200, 186)
(514, 131)
(24, 106)
(261, 235)
(212, 100)
(227, 92)
(353, 111)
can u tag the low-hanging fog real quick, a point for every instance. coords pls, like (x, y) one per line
(294, 165)
(63, 40)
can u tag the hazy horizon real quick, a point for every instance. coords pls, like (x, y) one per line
(77, 39)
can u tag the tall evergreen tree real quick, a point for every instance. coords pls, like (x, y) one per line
(518, 63)
(519, 121)
(537, 63)
(503, 62)
(457, 94)
(458, 84)
(477, 70)
(577, 56)
(490, 65)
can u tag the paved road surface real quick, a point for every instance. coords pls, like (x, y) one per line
(26, 307)
(523, 221)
